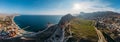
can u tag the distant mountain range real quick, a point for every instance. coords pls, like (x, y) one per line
(98, 14)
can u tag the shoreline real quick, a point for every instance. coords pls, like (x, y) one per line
(21, 31)
(14, 21)
(16, 24)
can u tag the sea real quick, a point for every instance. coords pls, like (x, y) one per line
(35, 23)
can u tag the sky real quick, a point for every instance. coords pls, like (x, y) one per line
(57, 7)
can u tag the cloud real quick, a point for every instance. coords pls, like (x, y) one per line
(64, 7)
(92, 6)
(85, 6)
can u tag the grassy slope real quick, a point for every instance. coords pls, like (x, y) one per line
(83, 29)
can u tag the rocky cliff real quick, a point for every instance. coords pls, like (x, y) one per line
(60, 33)
(55, 33)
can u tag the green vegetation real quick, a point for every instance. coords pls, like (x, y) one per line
(82, 28)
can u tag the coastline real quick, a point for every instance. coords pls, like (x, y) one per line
(23, 31)
(14, 21)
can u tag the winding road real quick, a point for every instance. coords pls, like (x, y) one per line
(100, 36)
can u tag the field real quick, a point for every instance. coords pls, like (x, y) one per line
(83, 29)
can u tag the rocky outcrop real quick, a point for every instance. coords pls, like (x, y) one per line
(59, 34)
(65, 19)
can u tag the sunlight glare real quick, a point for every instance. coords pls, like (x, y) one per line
(76, 6)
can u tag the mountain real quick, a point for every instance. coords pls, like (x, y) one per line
(98, 14)
(66, 18)
(73, 29)
(69, 29)
(55, 33)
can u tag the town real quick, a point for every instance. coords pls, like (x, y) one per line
(8, 29)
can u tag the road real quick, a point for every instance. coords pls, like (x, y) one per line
(100, 36)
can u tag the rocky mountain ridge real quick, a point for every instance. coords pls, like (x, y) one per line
(55, 33)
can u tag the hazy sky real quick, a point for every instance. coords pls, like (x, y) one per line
(57, 7)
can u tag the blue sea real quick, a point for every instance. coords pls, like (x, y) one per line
(36, 23)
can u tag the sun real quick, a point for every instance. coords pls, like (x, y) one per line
(76, 6)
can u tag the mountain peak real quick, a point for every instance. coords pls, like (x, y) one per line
(65, 19)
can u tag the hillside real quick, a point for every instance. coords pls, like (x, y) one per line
(83, 31)
(107, 22)
(69, 29)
